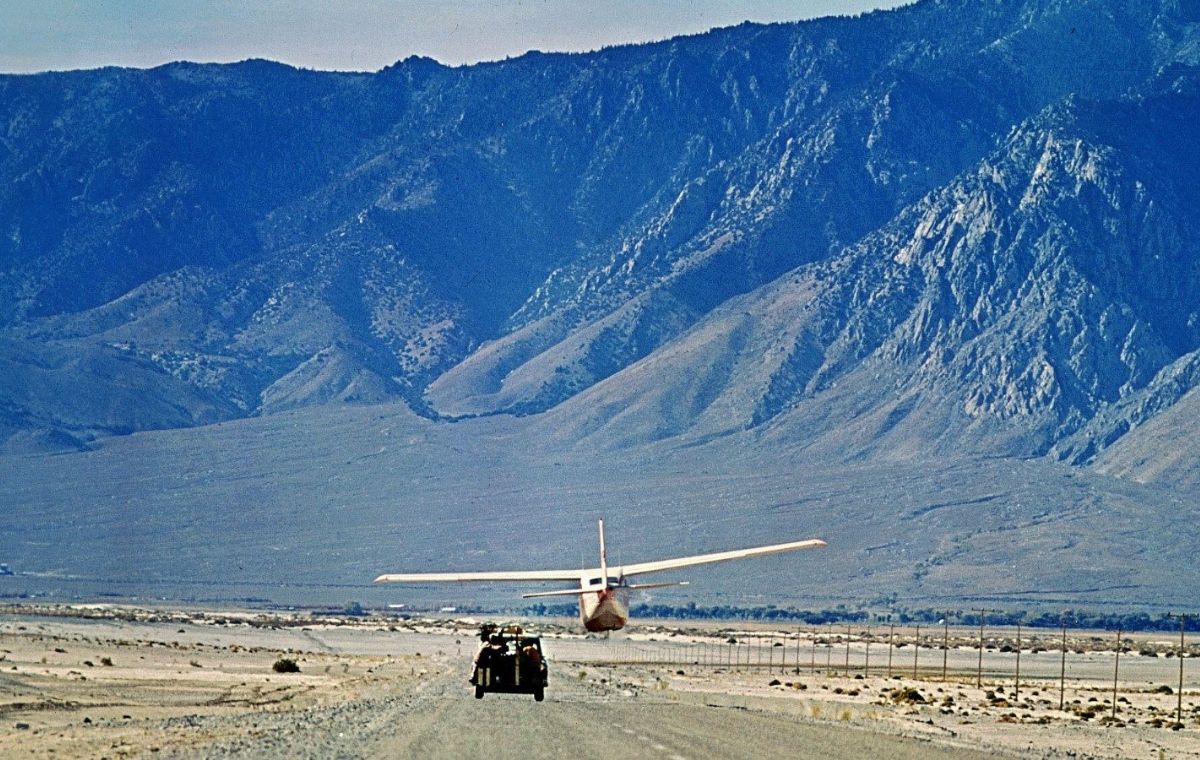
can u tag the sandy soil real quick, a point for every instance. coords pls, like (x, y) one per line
(124, 689)
(118, 682)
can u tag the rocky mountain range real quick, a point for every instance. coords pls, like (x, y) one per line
(952, 227)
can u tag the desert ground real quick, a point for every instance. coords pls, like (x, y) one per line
(113, 681)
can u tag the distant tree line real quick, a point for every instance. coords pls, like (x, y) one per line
(1126, 621)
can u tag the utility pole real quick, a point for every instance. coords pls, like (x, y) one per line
(1062, 668)
(812, 666)
(916, 651)
(945, 643)
(1179, 694)
(891, 641)
(867, 656)
(847, 650)
(1116, 669)
(1017, 696)
(979, 671)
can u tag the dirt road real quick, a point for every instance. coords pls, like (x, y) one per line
(439, 718)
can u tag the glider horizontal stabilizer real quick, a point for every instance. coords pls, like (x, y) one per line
(499, 575)
(637, 586)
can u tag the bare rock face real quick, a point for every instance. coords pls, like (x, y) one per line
(942, 228)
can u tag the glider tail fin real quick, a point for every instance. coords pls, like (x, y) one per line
(603, 555)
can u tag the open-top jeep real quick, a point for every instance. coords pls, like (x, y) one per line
(511, 662)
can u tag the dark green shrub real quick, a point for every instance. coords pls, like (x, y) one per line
(285, 665)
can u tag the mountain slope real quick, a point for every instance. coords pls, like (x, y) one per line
(883, 142)
(305, 507)
(848, 232)
(1002, 313)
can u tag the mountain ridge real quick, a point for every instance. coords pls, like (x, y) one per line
(519, 237)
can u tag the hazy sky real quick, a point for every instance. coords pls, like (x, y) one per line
(37, 35)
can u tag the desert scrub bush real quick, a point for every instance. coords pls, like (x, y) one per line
(908, 695)
(285, 665)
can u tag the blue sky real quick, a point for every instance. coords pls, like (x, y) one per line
(39, 35)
